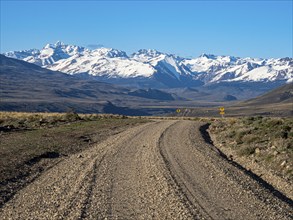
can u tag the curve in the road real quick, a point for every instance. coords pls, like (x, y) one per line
(159, 170)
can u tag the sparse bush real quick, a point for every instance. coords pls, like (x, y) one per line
(274, 122)
(269, 158)
(72, 116)
(232, 121)
(232, 134)
(280, 134)
(250, 138)
(240, 134)
(246, 150)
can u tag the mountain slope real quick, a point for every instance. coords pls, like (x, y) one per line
(276, 103)
(151, 68)
(152, 94)
(281, 95)
(28, 87)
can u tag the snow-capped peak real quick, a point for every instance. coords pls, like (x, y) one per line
(208, 56)
(147, 52)
(59, 43)
(109, 52)
(149, 56)
(22, 54)
(113, 63)
(51, 53)
(222, 58)
(49, 46)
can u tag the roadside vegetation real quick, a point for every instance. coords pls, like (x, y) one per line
(32, 142)
(263, 140)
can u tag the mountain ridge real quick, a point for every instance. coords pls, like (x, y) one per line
(108, 64)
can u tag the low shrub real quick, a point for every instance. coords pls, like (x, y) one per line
(250, 138)
(246, 150)
(72, 116)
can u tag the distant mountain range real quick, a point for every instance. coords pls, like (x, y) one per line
(28, 87)
(154, 69)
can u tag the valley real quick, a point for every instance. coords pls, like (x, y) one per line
(28, 87)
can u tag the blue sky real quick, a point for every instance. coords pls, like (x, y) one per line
(187, 28)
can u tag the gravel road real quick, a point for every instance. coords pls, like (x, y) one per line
(159, 170)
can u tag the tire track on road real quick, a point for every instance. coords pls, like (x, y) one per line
(212, 183)
(159, 170)
(60, 192)
(182, 191)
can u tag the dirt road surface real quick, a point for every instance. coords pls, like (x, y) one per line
(159, 170)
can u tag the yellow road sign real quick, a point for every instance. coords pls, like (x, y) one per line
(222, 113)
(222, 109)
(178, 110)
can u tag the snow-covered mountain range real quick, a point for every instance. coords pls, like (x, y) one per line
(167, 69)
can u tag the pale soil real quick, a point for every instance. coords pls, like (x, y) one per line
(159, 170)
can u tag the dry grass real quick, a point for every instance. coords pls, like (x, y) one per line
(22, 115)
(25, 120)
(267, 141)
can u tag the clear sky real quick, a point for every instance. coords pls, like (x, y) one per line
(186, 28)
